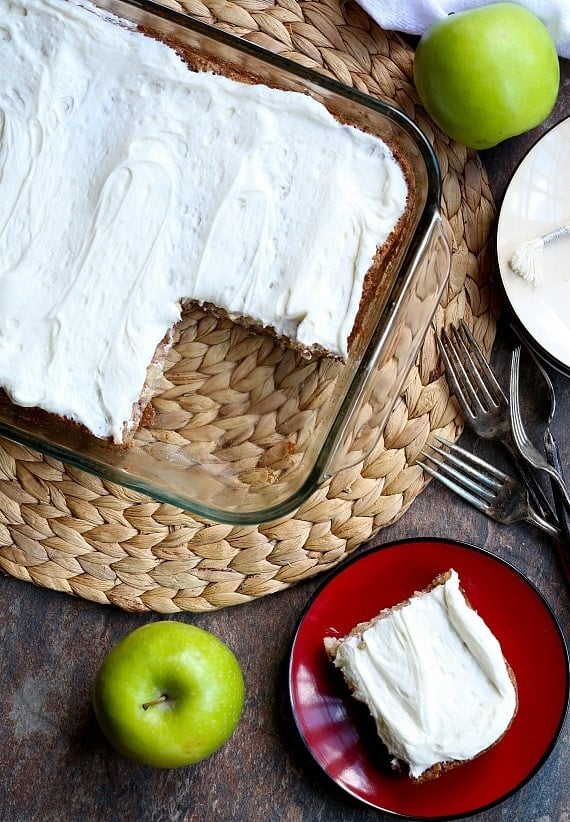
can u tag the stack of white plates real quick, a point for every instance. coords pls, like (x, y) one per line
(536, 202)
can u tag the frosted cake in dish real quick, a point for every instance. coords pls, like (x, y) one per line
(132, 185)
(433, 677)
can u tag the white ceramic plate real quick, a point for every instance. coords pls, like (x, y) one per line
(537, 200)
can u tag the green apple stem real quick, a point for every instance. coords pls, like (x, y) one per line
(158, 701)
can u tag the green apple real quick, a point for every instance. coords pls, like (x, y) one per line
(487, 73)
(169, 694)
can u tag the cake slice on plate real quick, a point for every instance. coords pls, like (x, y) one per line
(433, 677)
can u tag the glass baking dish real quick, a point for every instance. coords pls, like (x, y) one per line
(243, 431)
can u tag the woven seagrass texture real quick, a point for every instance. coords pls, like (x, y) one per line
(67, 530)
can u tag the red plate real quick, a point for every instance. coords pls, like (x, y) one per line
(340, 734)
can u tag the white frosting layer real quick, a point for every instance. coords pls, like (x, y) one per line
(128, 184)
(433, 677)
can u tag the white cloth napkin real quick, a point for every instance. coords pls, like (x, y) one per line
(416, 16)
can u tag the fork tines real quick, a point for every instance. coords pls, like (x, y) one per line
(472, 478)
(494, 493)
(472, 380)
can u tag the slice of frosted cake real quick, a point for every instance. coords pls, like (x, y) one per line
(433, 677)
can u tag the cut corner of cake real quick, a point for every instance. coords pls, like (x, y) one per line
(433, 677)
(185, 187)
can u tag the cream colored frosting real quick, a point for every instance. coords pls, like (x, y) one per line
(129, 184)
(433, 677)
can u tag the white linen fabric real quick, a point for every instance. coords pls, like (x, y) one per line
(416, 16)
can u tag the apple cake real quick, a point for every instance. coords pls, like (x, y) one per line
(134, 184)
(433, 677)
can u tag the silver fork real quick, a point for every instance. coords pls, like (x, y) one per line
(498, 495)
(526, 448)
(484, 404)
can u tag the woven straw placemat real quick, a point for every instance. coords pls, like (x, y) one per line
(67, 530)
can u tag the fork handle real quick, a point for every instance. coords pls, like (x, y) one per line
(543, 524)
(562, 545)
(537, 494)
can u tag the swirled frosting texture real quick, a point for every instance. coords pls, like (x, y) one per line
(129, 184)
(434, 678)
